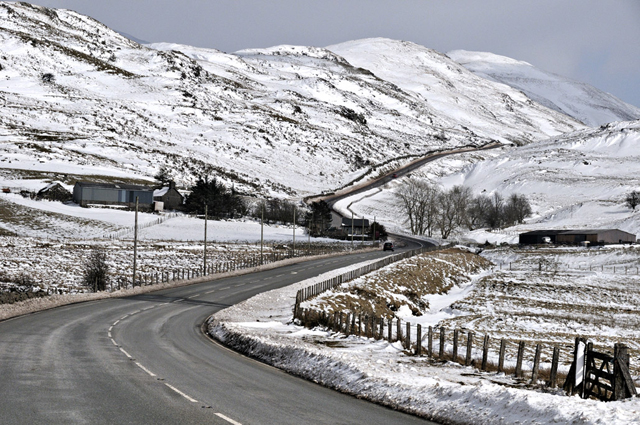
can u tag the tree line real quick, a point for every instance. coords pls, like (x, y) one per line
(429, 209)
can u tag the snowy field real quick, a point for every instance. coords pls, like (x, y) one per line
(450, 393)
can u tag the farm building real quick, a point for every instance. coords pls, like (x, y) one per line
(595, 236)
(359, 226)
(536, 237)
(169, 196)
(575, 237)
(87, 193)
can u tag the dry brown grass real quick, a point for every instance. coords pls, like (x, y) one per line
(405, 283)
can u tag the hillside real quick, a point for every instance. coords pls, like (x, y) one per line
(576, 99)
(81, 100)
(576, 180)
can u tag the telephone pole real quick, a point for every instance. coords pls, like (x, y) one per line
(135, 244)
(206, 212)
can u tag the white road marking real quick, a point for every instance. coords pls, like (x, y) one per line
(239, 284)
(125, 353)
(123, 317)
(110, 328)
(114, 342)
(191, 399)
(146, 370)
(278, 275)
(109, 333)
(231, 421)
(294, 272)
(210, 292)
(194, 296)
(226, 287)
(116, 322)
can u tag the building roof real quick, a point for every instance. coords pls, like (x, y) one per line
(114, 186)
(570, 232)
(357, 222)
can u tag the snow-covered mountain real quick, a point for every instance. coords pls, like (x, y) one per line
(79, 99)
(460, 97)
(579, 100)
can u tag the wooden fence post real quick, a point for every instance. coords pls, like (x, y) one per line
(519, 359)
(390, 330)
(399, 330)
(467, 361)
(418, 339)
(430, 342)
(553, 375)
(441, 351)
(381, 331)
(503, 346)
(623, 384)
(485, 352)
(536, 365)
(408, 337)
(454, 356)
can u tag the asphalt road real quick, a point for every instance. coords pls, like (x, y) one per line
(144, 360)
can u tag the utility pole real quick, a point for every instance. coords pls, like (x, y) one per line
(206, 216)
(261, 233)
(309, 230)
(373, 235)
(135, 244)
(351, 229)
(294, 231)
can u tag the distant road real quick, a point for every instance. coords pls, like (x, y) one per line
(145, 360)
(400, 172)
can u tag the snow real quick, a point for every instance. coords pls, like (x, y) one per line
(382, 372)
(579, 100)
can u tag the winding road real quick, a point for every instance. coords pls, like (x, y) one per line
(145, 360)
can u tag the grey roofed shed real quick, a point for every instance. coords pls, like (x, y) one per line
(596, 236)
(574, 237)
(536, 237)
(85, 193)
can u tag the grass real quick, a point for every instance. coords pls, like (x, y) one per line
(404, 284)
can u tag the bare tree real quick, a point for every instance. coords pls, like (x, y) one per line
(477, 212)
(495, 213)
(95, 275)
(516, 209)
(419, 200)
(454, 204)
(633, 200)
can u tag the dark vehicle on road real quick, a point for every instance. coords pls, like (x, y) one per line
(388, 246)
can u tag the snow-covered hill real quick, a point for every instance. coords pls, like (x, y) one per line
(576, 180)
(460, 97)
(79, 99)
(579, 100)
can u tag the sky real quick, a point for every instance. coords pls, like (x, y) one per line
(592, 41)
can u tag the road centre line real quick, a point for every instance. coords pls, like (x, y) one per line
(146, 370)
(194, 296)
(125, 353)
(191, 399)
(210, 292)
(231, 421)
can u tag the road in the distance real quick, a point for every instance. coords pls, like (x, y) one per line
(144, 360)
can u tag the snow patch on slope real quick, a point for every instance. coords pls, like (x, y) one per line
(579, 100)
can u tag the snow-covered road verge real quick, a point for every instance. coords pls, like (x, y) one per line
(382, 372)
